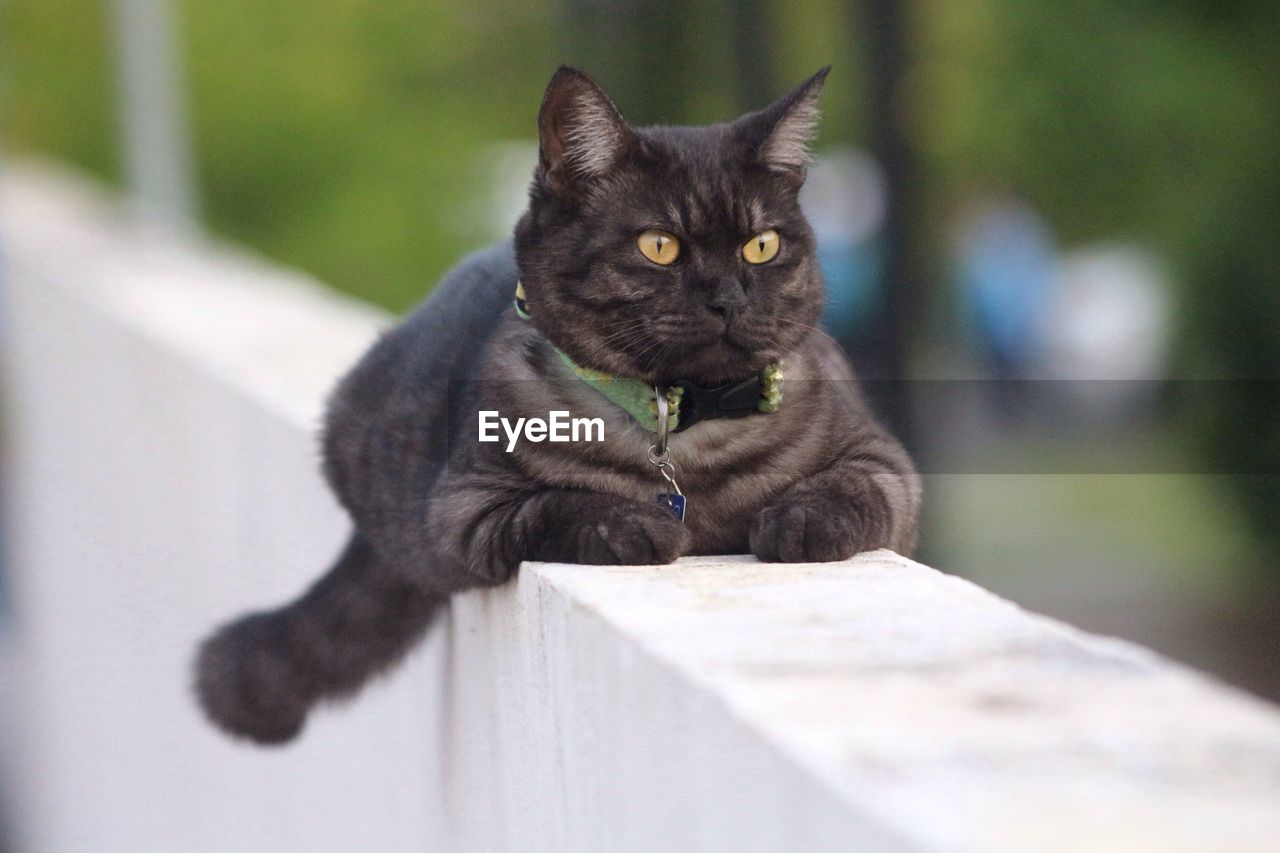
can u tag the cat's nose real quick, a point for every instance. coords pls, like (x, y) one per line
(726, 297)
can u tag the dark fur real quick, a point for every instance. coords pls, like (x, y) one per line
(436, 511)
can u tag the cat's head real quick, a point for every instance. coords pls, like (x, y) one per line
(670, 252)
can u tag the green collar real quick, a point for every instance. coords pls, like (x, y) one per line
(638, 398)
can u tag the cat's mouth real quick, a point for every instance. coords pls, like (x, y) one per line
(706, 352)
(747, 337)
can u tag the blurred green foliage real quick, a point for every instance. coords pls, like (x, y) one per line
(346, 137)
(343, 136)
(1119, 119)
(56, 88)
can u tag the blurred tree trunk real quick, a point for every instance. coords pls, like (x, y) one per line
(748, 27)
(889, 59)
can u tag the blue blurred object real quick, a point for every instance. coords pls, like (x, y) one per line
(853, 274)
(1006, 260)
(844, 199)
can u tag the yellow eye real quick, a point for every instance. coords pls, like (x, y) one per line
(762, 247)
(659, 247)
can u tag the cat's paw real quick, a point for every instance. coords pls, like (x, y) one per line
(803, 532)
(246, 683)
(626, 534)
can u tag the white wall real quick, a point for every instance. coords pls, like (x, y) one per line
(162, 406)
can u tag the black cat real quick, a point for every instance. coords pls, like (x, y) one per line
(670, 257)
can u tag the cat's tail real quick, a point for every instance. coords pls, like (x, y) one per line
(258, 676)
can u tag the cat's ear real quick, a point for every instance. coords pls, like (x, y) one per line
(779, 135)
(581, 134)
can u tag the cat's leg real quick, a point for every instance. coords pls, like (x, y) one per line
(585, 527)
(258, 676)
(494, 530)
(858, 504)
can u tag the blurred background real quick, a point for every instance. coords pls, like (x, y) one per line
(1051, 230)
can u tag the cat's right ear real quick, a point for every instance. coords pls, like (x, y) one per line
(581, 134)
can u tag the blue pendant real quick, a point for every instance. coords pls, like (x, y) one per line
(675, 503)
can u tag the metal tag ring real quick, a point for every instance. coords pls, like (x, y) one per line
(664, 427)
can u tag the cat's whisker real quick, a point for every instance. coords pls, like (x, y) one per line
(636, 326)
(810, 327)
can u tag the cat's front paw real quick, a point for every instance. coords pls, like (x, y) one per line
(803, 532)
(626, 534)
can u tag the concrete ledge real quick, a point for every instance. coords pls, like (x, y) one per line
(163, 400)
(941, 715)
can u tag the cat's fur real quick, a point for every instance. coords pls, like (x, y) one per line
(436, 512)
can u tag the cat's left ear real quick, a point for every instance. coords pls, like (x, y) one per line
(779, 135)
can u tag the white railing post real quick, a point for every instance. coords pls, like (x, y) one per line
(157, 149)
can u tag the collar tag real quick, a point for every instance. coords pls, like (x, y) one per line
(522, 307)
(660, 458)
(675, 503)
